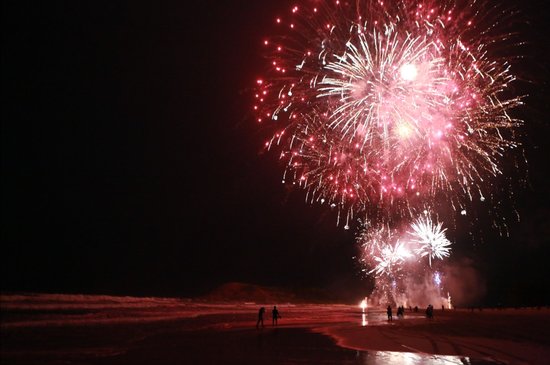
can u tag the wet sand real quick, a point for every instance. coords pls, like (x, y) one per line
(102, 331)
(511, 336)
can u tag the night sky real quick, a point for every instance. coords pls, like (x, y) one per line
(132, 164)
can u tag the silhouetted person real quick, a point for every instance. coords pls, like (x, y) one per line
(260, 317)
(275, 315)
(430, 311)
(415, 309)
(389, 313)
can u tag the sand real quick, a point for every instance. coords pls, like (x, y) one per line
(509, 336)
(45, 329)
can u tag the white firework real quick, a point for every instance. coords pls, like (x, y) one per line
(430, 239)
(390, 259)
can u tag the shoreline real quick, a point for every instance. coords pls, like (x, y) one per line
(509, 336)
(133, 331)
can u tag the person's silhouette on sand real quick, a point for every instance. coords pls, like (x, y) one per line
(275, 314)
(389, 313)
(260, 317)
(430, 311)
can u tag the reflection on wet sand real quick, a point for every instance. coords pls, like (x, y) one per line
(54, 329)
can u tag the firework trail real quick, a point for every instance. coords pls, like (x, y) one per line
(379, 107)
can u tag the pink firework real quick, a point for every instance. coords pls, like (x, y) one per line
(383, 253)
(379, 107)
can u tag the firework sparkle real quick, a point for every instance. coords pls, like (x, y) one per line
(430, 238)
(388, 111)
(379, 108)
(394, 255)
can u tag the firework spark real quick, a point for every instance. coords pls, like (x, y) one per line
(383, 254)
(395, 255)
(385, 110)
(381, 106)
(430, 238)
(390, 257)
(385, 250)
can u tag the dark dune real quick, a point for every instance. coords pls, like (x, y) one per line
(246, 292)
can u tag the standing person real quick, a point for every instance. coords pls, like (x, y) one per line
(429, 311)
(388, 310)
(401, 311)
(260, 317)
(275, 314)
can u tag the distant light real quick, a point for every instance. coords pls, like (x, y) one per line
(437, 278)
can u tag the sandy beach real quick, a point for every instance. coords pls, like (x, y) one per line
(46, 329)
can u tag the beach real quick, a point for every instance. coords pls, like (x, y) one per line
(78, 329)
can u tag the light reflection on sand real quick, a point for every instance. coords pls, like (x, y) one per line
(119, 326)
(410, 358)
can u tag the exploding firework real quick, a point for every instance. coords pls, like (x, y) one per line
(380, 107)
(430, 239)
(395, 256)
(383, 252)
(386, 110)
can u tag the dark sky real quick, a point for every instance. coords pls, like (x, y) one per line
(131, 164)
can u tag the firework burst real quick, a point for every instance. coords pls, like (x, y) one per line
(384, 250)
(383, 253)
(387, 110)
(380, 107)
(430, 239)
(395, 257)
(391, 256)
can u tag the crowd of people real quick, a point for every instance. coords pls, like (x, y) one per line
(400, 314)
(401, 311)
